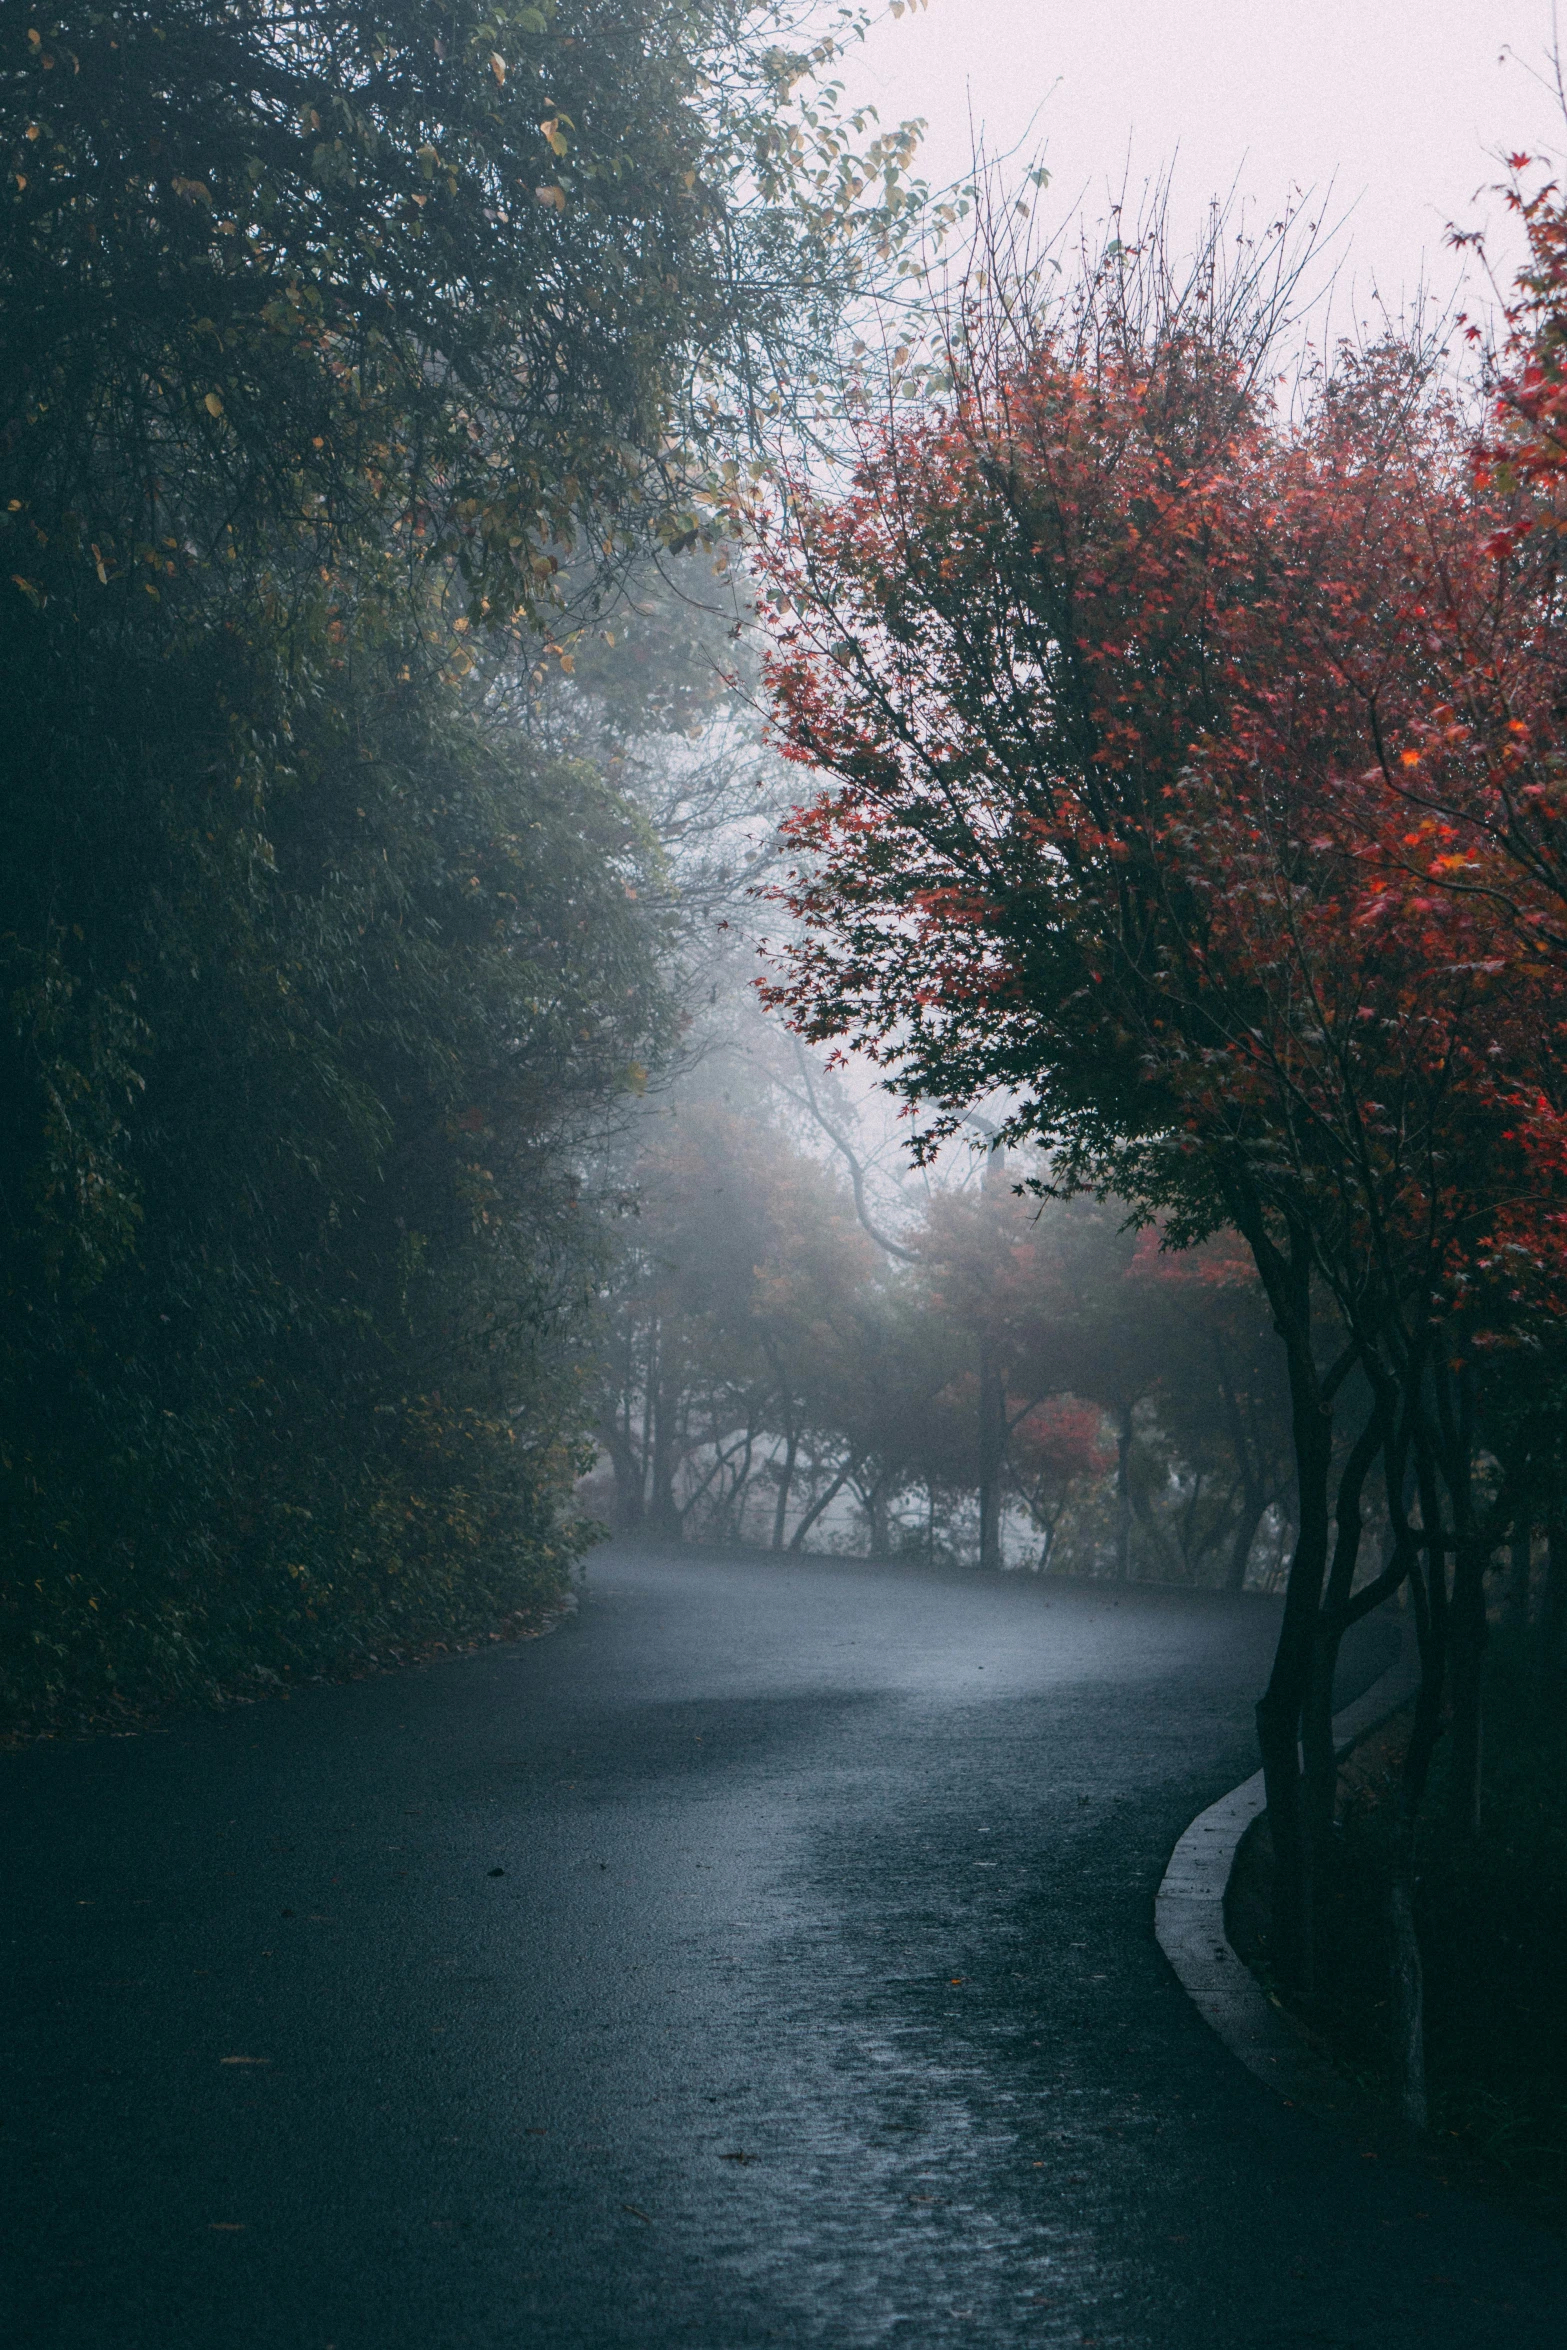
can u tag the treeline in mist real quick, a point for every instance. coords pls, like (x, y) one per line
(991, 1378)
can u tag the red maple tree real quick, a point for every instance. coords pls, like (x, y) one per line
(1116, 677)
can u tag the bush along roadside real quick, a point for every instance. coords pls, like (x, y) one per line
(444, 1538)
(1491, 1920)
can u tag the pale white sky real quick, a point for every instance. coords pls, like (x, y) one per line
(1403, 104)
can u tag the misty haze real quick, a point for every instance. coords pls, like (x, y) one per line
(783, 1421)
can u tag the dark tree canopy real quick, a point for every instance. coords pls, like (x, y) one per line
(461, 281)
(338, 349)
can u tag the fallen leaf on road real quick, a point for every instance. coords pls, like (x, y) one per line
(737, 2157)
(641, 2215)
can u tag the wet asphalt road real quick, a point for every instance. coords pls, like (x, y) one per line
(818, 2003)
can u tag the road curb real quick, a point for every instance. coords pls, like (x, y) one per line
(1189, 1922)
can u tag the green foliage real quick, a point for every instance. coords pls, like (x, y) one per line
(330, 344)
(455, 288)
(295, 1264)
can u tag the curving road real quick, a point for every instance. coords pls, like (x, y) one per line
(817, 2003)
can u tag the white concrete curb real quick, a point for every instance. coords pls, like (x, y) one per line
(1189, 1920)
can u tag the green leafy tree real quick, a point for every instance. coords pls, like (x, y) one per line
(343, 362)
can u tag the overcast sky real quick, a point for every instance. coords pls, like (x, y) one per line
(1403, 104)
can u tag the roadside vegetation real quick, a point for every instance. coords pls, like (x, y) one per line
(1491, 1914)
(350, 365)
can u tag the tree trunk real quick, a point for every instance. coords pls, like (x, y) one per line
(1186, 1529)
(992, 1451)
(663, 1515)
(785, 1480)
(1279, 1709)
(1468, 1636)
(797, 1538)
(1406, 1973)
(1519, 1579)
(649, 1390)
(1051, 1528)
(1123, 1494)
(1252, 1515)
(628, 1478)
(1321, 1762)
(1428, 1592)
(1553, 1611)
(734, 1502)
(1253, 1503)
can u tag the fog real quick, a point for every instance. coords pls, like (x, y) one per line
(1389, 118)
(698, 807)
(812, 1340)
